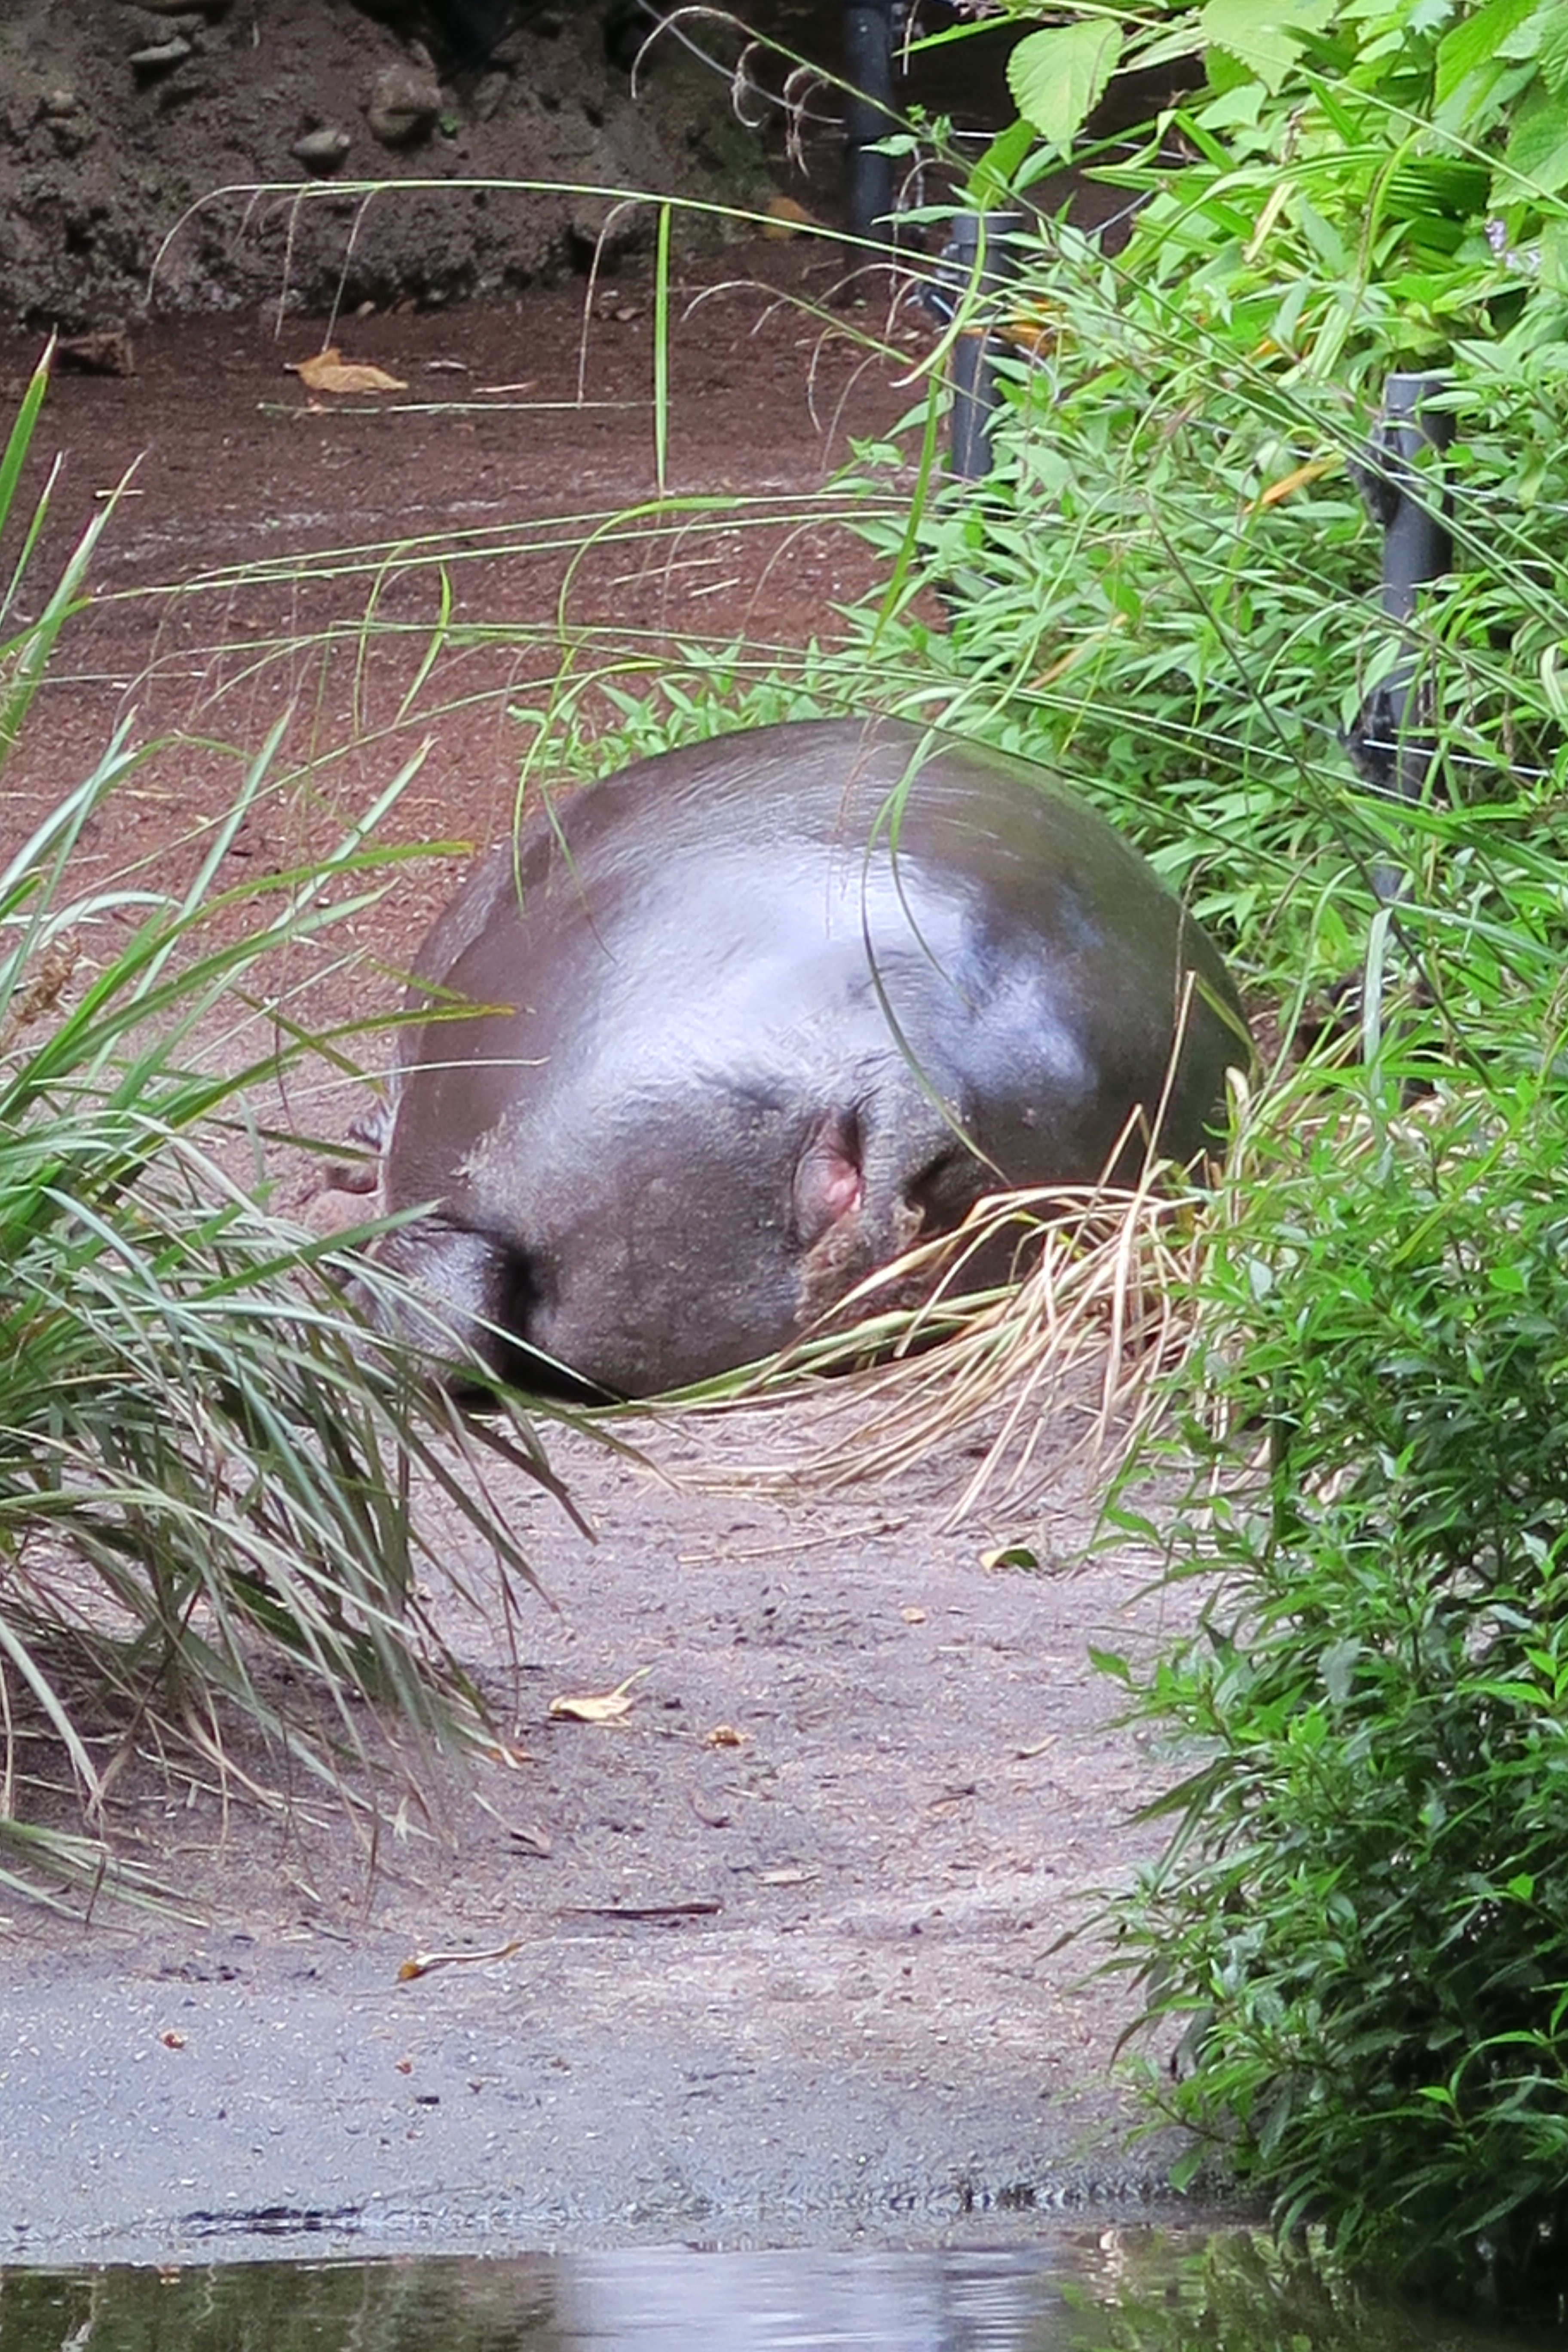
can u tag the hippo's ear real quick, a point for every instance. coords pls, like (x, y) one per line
(829, 1176)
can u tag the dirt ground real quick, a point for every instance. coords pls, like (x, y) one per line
(808, 1984)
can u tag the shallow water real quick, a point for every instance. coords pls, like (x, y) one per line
(1077, 2290)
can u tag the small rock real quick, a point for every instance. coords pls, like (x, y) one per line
(322, 151)
(161, 58)
(404, 102)
(67, 121)
(491, 96)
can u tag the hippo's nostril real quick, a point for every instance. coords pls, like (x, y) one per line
(829, 1176)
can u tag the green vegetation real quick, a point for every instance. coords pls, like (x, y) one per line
(203, 1455)
(1359, 1927)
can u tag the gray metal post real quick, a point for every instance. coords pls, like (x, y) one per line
(1417, 548)
(868, 70)
(977, 263)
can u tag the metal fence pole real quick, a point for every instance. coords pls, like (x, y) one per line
(1407, 499)
(868, 70)
(977, 262)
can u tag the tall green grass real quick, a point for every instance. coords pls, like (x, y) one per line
(207, 1463)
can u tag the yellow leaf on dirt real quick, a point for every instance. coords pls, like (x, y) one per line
(329, 372)
(506, 1751)
(611, 1707)
(787, 218)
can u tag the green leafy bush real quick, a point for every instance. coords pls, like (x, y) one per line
(1362, 1918)
(1169, 585)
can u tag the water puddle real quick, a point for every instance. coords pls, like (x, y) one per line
(1076, 2290)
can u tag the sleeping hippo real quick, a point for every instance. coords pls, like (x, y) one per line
(731, 1030)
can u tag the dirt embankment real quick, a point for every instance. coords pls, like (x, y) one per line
(118, 122)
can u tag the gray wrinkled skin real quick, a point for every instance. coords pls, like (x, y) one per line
(782, 1004)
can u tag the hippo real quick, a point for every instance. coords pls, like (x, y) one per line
(722, 1034)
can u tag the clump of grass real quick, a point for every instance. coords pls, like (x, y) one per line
(205, 1454)
(1064, 1367)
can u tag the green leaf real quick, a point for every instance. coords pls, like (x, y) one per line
(1552, 50)
(1526, 42)
(1476, 42)
(991, 180)
(1263, 40)
(1555, 255)
(1184, 40)
(1337, 1665)
(1187, 2167)
(1009, 1556)
(1537, 151)
(1058, 75)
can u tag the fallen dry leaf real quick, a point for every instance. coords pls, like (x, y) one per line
(610, 1707)
(329, 372)
(1009, 1556)
(423, 1963)
(787, 218)
(1289, 483)
(913, 1616)
(724, 1734)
